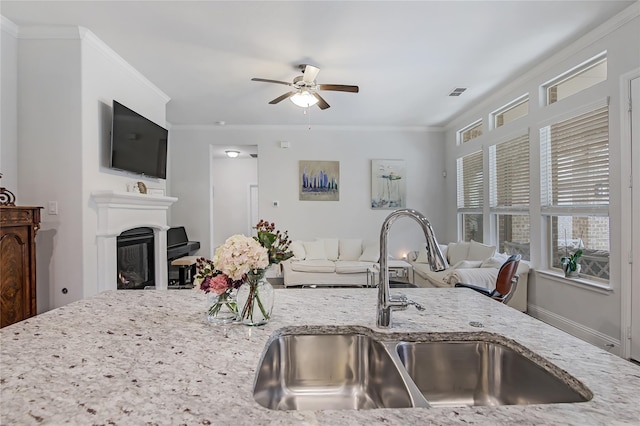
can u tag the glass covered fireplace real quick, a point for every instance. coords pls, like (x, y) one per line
(135, 259)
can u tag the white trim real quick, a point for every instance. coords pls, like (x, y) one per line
(507, 107)
(578, 330)
(569, 74)
(8, 26)
(583, 283)
(626, 240)
(316, 127)
(566, 115)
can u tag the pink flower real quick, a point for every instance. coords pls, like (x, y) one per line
(219, 284)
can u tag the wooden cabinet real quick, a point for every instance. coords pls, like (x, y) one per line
(18, 227)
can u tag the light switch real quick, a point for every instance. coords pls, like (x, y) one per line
(52, 207)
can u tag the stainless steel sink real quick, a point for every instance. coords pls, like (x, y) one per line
(329, 371)
(357, 368)
(481, 373)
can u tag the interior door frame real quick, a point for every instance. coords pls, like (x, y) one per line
(626, 262)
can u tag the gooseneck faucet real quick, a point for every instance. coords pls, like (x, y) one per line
(386, 302)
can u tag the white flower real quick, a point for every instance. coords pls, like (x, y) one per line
(239, 255)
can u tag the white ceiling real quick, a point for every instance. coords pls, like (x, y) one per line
(405, 56)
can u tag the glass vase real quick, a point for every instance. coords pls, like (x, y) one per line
(222, 309)
(255, 300)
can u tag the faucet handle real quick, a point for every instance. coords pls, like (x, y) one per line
(416, 304)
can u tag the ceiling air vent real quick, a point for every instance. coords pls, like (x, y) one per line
(457, 91)
(254, 155)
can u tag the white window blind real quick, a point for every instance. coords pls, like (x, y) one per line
(510, 174)
(470, 181)
(575, 162)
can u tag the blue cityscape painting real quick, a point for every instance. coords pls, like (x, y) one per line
(319, 180)
(388, 184)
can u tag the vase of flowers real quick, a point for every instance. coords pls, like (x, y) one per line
(222, 306)
(255, 298)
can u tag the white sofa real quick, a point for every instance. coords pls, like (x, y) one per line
(470, 263)
(329, 261)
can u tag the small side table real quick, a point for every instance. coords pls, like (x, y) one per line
(398, 270)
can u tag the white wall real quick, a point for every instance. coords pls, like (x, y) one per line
(278, 179)
(231, 178)
(584, 311)
(67, 80)
(9, 105)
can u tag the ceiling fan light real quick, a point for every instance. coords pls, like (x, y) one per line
(232, 154)
(304, 99)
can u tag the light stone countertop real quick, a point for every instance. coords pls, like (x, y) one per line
(149, 357)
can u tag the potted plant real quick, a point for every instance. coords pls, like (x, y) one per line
(570, 264)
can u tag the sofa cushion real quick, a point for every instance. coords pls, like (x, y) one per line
(467, 264)
(317, 265)
(458, 251)
(371, 252)
(297, 248)
(495, 261)
(479, 251)
(314, 250)
(330, 247)
(350, 249)
(352, 266)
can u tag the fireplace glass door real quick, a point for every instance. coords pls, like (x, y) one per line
(135, 259)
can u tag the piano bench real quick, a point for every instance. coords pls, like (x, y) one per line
(184, 264)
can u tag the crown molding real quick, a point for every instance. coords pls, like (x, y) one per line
(8, 26)
(318, 127)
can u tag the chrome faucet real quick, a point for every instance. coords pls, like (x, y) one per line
(387, 302)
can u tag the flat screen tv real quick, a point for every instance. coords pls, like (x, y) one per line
(138, 145)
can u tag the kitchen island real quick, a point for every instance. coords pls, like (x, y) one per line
(149, 357)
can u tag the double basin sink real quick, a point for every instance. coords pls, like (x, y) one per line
(354, 368)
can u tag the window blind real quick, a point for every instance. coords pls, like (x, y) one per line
(510, 173)
(470, 180)
(575, 161)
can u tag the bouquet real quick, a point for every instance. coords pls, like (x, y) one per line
(243, 259)
(210, 280)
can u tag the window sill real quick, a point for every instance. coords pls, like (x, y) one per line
(583, 283)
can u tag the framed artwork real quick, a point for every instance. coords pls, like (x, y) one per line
(388, 184)
(319, 180)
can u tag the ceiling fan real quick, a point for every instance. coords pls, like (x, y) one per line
(305, 93)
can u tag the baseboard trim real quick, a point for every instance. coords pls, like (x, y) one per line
(587, 334)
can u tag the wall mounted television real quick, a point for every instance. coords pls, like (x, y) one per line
(138, 145)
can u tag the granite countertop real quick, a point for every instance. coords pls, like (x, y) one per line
(136, 357)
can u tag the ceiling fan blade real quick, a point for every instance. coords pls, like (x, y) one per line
(264, 80)
(310, 73)
(338, 88)
(321, 102)
(283, 97)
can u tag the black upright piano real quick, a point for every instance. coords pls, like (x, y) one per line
(178, 245)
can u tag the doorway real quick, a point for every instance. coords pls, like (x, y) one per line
(234, 192)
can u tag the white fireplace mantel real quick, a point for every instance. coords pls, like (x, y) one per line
(119, 211)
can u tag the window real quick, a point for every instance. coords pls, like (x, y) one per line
(470, 195)
(509, 197)
(581, 77)
(575, 189)
(512, 111)
(472, 131)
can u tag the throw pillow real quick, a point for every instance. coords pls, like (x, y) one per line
(465, 264)
(496, 261)
(371, 253)
(315, 250)
(330, 247)
(350, 249)
(479, 251)
(458, 251)
(297, 248)
(422, 255)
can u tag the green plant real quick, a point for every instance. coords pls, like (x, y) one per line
(570, 263)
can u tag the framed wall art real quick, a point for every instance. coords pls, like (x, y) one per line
(388, 184)
(319, 180)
